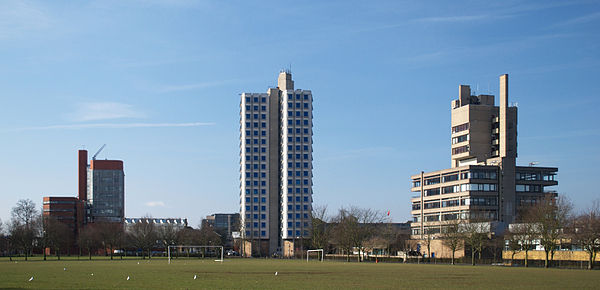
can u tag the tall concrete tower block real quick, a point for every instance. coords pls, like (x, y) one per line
(276, 168)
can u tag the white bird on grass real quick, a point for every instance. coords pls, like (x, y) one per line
(275, 273)
(92, 274)
(64, 269)
(127, 278)
(138, 263)
(194, 277)
(31, 279)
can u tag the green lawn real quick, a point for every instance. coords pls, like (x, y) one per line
(260, 273)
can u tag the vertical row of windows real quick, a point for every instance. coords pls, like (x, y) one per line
(299, 150)
(255, 174)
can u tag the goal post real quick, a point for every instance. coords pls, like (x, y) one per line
(322, 255)
(194, 247)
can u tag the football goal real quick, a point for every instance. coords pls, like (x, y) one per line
(196, 251)
(319, 256)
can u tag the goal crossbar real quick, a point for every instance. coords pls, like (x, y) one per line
(317, 250)
(201, 247)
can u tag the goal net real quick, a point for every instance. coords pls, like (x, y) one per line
(195, 251)
(319, 254)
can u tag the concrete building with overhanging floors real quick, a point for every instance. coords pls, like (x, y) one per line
(276, 166)
(484, 183)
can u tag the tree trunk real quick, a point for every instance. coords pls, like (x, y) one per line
(453, 257)
(111, 252)
(26, 252)
(90, 253)
(472, 257)
(512, 257)
(44, 250)
(546, 259)
(58, 253)
(526, 256)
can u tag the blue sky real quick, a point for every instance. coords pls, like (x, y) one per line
(158, 81)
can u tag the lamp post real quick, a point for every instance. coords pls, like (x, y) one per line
(301, 246)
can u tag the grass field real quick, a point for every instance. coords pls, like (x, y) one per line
(260, 273)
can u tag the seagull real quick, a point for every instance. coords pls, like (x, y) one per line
(92, 274)
(195, 277)
(275, 273)
(31, 279)
(127, 278)
(64, 269)
(138, 263)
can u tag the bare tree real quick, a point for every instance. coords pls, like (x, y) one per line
(586, 232)
(428, 239)
(475, 235)
(550, 216)
(496, 244)
(110, 235)
(168, 235)
(514, 245)
(452, 236)
(25, 212)
(403, 243)
(320, 231)
(526, 234)
(55, 235)
(388, 234)
(208, 236)
(357, 225)
(344, 224)
(4, 244)
(143, 236)
(25, 226)
(88, 239)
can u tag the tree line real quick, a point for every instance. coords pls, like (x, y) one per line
(30, 231)
(354, 229)
(550, 223)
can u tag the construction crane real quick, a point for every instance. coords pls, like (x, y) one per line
(98, 152)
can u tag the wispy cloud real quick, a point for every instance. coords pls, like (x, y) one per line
(104, 111)
(453, 19)
(193, 86)
(155, 203)
(579, 20)
(18, 18)
(112, 126)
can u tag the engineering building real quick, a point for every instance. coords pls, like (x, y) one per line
(106, 191)
(276, 166)
(104, 184)
(100, 195)
(68, 210)
(484, 183)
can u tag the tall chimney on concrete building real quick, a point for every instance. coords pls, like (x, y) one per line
(82, 174)
(504, 115)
